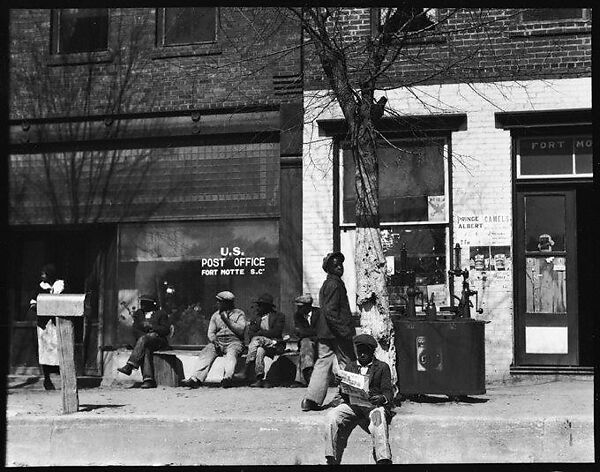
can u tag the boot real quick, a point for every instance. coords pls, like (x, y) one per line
(48, 385)
(250, 372)
(126, 369)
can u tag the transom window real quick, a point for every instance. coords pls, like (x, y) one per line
(77, 30)
(184, 26)
(555, 156)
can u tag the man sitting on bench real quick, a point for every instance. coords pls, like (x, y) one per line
(154, 324)
(225, 335)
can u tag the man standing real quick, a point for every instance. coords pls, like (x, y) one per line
(305, 327)
(334, 332)
(225, 335)
(264, 334)
(155, 326)
(373, 414)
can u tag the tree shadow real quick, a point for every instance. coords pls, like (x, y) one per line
(97, 407)
(27, 382)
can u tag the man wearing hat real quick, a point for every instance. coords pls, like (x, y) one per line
(264, 335)
(335, 329)
(153, 325)
(373, 414)
(225, 335)
(305, 327)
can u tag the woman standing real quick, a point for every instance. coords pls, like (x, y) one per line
(46, 325)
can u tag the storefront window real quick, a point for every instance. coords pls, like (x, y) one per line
(186, 264)
(555, 156)
(413, 179)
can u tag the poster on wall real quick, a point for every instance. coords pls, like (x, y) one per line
(489, 258)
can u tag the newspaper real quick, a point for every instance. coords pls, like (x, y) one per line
(356, 386)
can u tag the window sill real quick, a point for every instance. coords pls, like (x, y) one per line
(554, 31)
(80, 58)
(165, 52)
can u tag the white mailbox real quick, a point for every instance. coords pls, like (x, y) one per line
(61, 305)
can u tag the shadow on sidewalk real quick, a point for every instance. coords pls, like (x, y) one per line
(423, 398)
(27, 382)
(97, 407)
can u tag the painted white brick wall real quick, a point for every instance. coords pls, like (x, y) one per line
(481, 183)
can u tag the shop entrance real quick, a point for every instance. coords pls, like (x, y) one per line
(553, 269)
(80, 256)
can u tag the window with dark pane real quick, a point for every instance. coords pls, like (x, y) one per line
(553, 14)
(545, 223)
(181, 26)
(80, 30)
(410, 175)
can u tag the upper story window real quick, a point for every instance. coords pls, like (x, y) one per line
(77, 30)
(185, 26)
(553, 14)
(555, 156)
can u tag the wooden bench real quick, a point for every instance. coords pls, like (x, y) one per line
(169, 366)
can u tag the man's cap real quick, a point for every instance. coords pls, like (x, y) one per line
(305, 299)
(365, 340)
(331, 255)
(225, 296)
(148, 298)
(265, 298)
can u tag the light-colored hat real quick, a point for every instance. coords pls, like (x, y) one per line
(305, 299)
(225, 296)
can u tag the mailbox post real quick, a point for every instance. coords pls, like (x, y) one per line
(64, 307)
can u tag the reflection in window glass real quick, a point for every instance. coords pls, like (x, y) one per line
(186, 264)
(545, 223)
(546, 284)
(411, 182)
(81, 30)
(425, 255)
(189, 25)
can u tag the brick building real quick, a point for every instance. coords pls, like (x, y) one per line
(152, 151)
(154, 155)
(489, 118)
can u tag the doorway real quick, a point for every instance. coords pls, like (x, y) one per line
(553, 270)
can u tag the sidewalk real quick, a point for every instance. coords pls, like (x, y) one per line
(545, 420)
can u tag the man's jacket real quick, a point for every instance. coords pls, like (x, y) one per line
(275, 330)
(156, 321)
(336, 319)
(304, 329)
(380, 382)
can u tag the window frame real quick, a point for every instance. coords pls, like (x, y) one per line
(585, 16)
(55, 17)
(446, 162)
(160, 32)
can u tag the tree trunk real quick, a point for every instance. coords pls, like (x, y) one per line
(372, 297)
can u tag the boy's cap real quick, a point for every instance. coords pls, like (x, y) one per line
(305, 299)
(265, 298)
(225, 296)
(331, 255)
(365, 340)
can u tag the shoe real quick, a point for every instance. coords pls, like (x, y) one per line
(384, 461)
(308, 405)
(258, 384)
(296, 385)
(227, 383)
(267, 384)
(331, 460)
(48, 385)
(126, 369)
(148, 384)
(191, 383)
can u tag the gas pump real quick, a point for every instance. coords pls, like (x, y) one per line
(463, 310)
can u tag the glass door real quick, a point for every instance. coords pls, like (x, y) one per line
(546, 275)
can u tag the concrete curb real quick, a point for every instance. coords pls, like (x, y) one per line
(229, 440)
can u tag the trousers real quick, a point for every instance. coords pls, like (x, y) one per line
(230, 349)
(342, 420)
(332, 355)
(141, 356)
(259, 347)
(306, 359)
